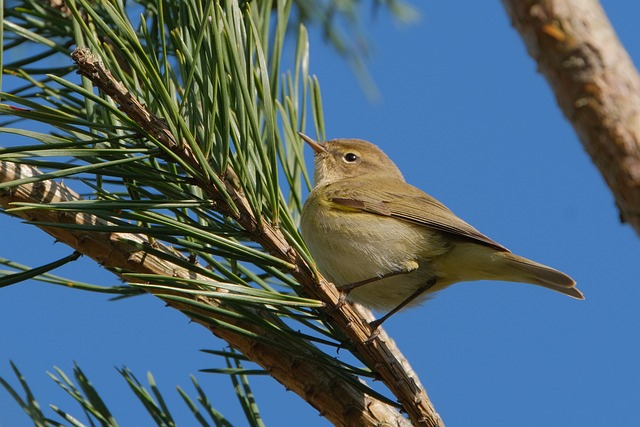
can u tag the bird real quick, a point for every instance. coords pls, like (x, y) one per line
(387, 244)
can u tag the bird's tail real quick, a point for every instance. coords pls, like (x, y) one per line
(471, 261)
(518, 269)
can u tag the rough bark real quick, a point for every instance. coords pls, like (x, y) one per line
(595, 83)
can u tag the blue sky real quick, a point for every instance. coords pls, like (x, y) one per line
(466, 117)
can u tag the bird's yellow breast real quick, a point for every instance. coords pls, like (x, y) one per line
(349, 246)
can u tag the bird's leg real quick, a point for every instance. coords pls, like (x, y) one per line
(376, 323)
(345, 290)
(408, 267)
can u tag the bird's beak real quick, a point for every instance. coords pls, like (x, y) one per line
(317, 146)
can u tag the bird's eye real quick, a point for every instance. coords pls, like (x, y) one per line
(350, 157)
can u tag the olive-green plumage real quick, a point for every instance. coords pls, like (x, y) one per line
(363, 221)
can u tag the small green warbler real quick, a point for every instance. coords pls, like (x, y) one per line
(388, 244)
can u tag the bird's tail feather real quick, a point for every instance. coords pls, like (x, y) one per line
(525, 270)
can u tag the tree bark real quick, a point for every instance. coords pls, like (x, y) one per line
(595, 83)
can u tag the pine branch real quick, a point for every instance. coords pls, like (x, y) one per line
(376, 351)
(595, 83)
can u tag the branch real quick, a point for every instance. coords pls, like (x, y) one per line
(595, 83)
(379, 353)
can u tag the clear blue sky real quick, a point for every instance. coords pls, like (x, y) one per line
(467, 118)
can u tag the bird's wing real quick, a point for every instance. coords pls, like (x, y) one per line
(406, 202)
